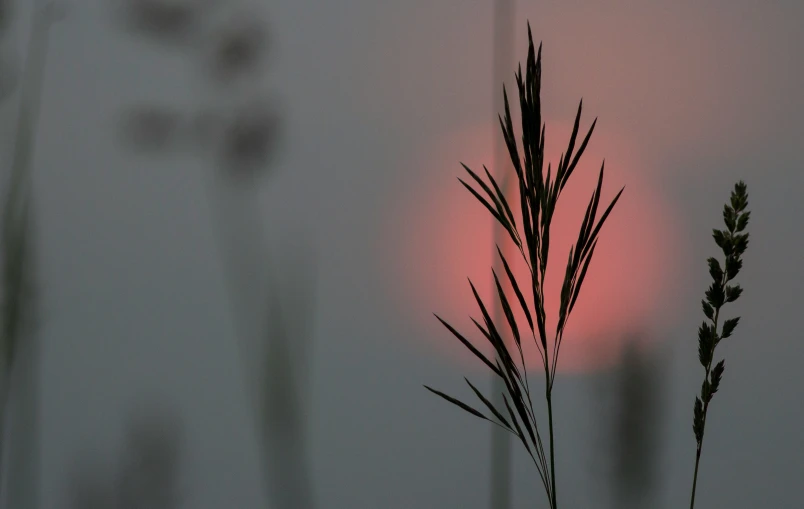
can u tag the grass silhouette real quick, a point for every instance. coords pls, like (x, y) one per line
(529, 230)
(733, 241)
(539, 194)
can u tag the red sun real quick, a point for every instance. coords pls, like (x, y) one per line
(441, 235)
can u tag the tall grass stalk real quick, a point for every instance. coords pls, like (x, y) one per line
(733, 242)
(538, 194)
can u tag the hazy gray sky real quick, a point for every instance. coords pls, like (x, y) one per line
(133, 298)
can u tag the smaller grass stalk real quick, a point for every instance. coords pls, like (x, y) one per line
(733, 241)
(538, 194)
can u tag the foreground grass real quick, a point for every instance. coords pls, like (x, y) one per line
(539, 195)
(529, 230)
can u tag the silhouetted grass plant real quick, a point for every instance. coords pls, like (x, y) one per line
(733, 241)
(529, 230)
(539, 194)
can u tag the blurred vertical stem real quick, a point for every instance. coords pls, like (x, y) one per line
(283, 417)
(636, 425)
(18, 274)
(260, 317)
(503, 62)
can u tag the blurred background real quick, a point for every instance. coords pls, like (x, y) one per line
(245, 214)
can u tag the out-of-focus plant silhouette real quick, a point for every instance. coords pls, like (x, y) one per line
(239, 49)
(503, 60)
(19, 365)
(5, 15)
(239, 130)
(8, 74)
(636, 426)
(251, 137)
(242, 134)
(146, 478)
(7, 78)
(284, 410)
(169, 21)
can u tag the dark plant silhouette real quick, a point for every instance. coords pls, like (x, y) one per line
(243, 135)
(19, 344)
(238, 49)
(89, 491)
(733, 241)
(244, 140)
(284, 413)
(250, 140)
(637, 423)
(8, 78)
(148, 476)
(6, 11)
(538, 195)
(166, 20)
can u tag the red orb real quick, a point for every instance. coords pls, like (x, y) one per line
(441, 235)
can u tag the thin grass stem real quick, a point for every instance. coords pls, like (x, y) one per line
(733, 241)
